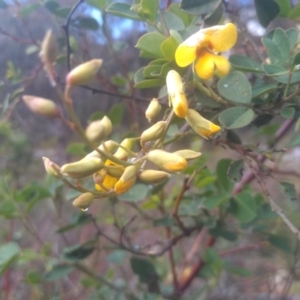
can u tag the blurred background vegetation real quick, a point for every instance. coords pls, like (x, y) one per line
(50, 250)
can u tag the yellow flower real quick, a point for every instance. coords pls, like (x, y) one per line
(176, 94)
(202, 126)
(202, 48)
(127, 180)
(109, 181)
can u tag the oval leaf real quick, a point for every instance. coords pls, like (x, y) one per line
(236, 117)
(235, 87)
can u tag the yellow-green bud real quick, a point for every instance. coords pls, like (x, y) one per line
(49, 49)
(51, 167)
(176, 94)
(83, 168)
(188, 154)
(202, 126)
(84, 201)
(42, 106)
(153, 176)
(169, 162)
(153, 110)
(115, 172)
(84, 73)
(127, 180)
(121, 153)
(107, 147)
(154, 132)
(99, 129)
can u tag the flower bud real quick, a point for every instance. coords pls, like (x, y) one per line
(84, 201)
(51, 167)
(127, 180)
(99, 129)
(83, 168)
(154, 132)
(153, 110)
(107, 147)
(42, 106)
(84, 73)
(116, 171)
(200, 125)
(176, 94)
(169, 162)
(122, 153)
(188, 154)
(153, 176)
(49, 49)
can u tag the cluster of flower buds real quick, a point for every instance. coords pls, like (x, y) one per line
(178, 100)
(115, 167)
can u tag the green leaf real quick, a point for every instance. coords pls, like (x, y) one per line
(86, 23)
(221, 171)
(78, 219)
(206, 100)
(288, 189)
(235, 87)
(245, 63)
(235, 170)
(8, 209)
(266, 11)
(78, 149)
(287, 112)
(122, 10)
(79, 252)
(215, 17)
(284, 6)
(295, 141)
(58, 272)
(172, 21)
(199, 7)
(150, 9)
(117, 257)
(8, 255)
(29, 9)
(100, 4)
(52, 6)
(243, 207)
(167, 221)
(260, 90)
(215, 201)
(144, 269)
(296, 59)
(168, 47)
(3, 4)
(137, 193)
(175, 9)
(281, 74)
(273, 50)
(292, 34)
(295, 12)
(116, 114)
(236, 117)
(141, 82)
(283, 44)
(280, 242)
(151, 42)
(232, 137)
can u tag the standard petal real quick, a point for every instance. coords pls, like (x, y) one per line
(180, 105)
(185, 55)
(223, 39)
(222, 64)
(205, 66)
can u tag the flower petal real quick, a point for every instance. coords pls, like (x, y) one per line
(180, 104)
(221, 64)
(185, 55)
(222, 38)
(205, 66)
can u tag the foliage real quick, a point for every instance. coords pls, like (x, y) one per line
(126, 182)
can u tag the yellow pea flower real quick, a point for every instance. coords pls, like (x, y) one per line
(202, 126)
(203, 48)
(176, 94)
(108, 181)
